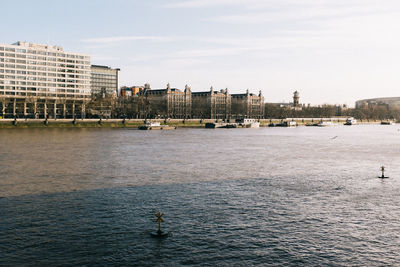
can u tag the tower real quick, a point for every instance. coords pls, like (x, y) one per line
(296, 99)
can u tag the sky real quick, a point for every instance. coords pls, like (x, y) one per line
(331, 51)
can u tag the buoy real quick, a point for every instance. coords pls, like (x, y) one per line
(383, 173)
(159, 233)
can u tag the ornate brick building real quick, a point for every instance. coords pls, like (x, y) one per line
(184, 104)
(248, 105)
(165, 103)
(211, 104)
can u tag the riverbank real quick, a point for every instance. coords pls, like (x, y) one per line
(134, 123)
(95, 123)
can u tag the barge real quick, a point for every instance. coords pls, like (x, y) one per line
(239, 123)
(155, 126)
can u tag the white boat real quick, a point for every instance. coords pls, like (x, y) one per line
(239, 123)
(248, 123)
(222, 124)
(350, 121)
(284, 124)
(291, 123)
(325, 123)
(155, 126)
(388, 122)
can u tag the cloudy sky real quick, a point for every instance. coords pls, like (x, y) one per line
(332, 51)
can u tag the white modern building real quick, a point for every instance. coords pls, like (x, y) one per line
(104, 80)
(43, 81)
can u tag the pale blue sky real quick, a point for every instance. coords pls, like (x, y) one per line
(331, 51)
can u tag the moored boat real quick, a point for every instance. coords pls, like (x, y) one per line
(350, 121)
(325, 124)
(284, 124)
(388, 122)
(247, 123)
(212, 125)
(155, 126)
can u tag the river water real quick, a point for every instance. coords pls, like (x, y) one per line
(231, 197)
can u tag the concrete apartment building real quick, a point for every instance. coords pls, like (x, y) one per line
(104, 80)
(43, 81)
(211, 104)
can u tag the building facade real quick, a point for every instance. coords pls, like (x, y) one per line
(390, 102)
(104, 80)
(248, 105)
(129, 91)
(211, 104)
(165, 103)
(43, 81)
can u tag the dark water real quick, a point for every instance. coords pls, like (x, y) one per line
(231, 197)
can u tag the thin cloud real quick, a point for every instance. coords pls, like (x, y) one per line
(202, 3)
(265, 4)
(304, 14)
(119, 39)
(250, 4)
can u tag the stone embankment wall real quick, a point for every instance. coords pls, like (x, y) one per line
(134, 123)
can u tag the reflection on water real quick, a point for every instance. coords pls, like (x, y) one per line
(231, 196)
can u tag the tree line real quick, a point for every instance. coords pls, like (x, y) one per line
(376, 112)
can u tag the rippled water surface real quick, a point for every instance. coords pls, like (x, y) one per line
(231, 197)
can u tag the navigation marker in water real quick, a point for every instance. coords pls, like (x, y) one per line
(383, 173)
(159, 233)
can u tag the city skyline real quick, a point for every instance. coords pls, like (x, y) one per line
(332, 52)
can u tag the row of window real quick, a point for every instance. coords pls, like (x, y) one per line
(40, 64)
(103, 81)
(49, 74)
(39, 58)
(24, 67)
(21, 88)
(39, 52)
(94, 83)
(98, 75)
(20, 79)
(17, 93)
(48, 85)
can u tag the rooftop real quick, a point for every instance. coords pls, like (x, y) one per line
(39, 46)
